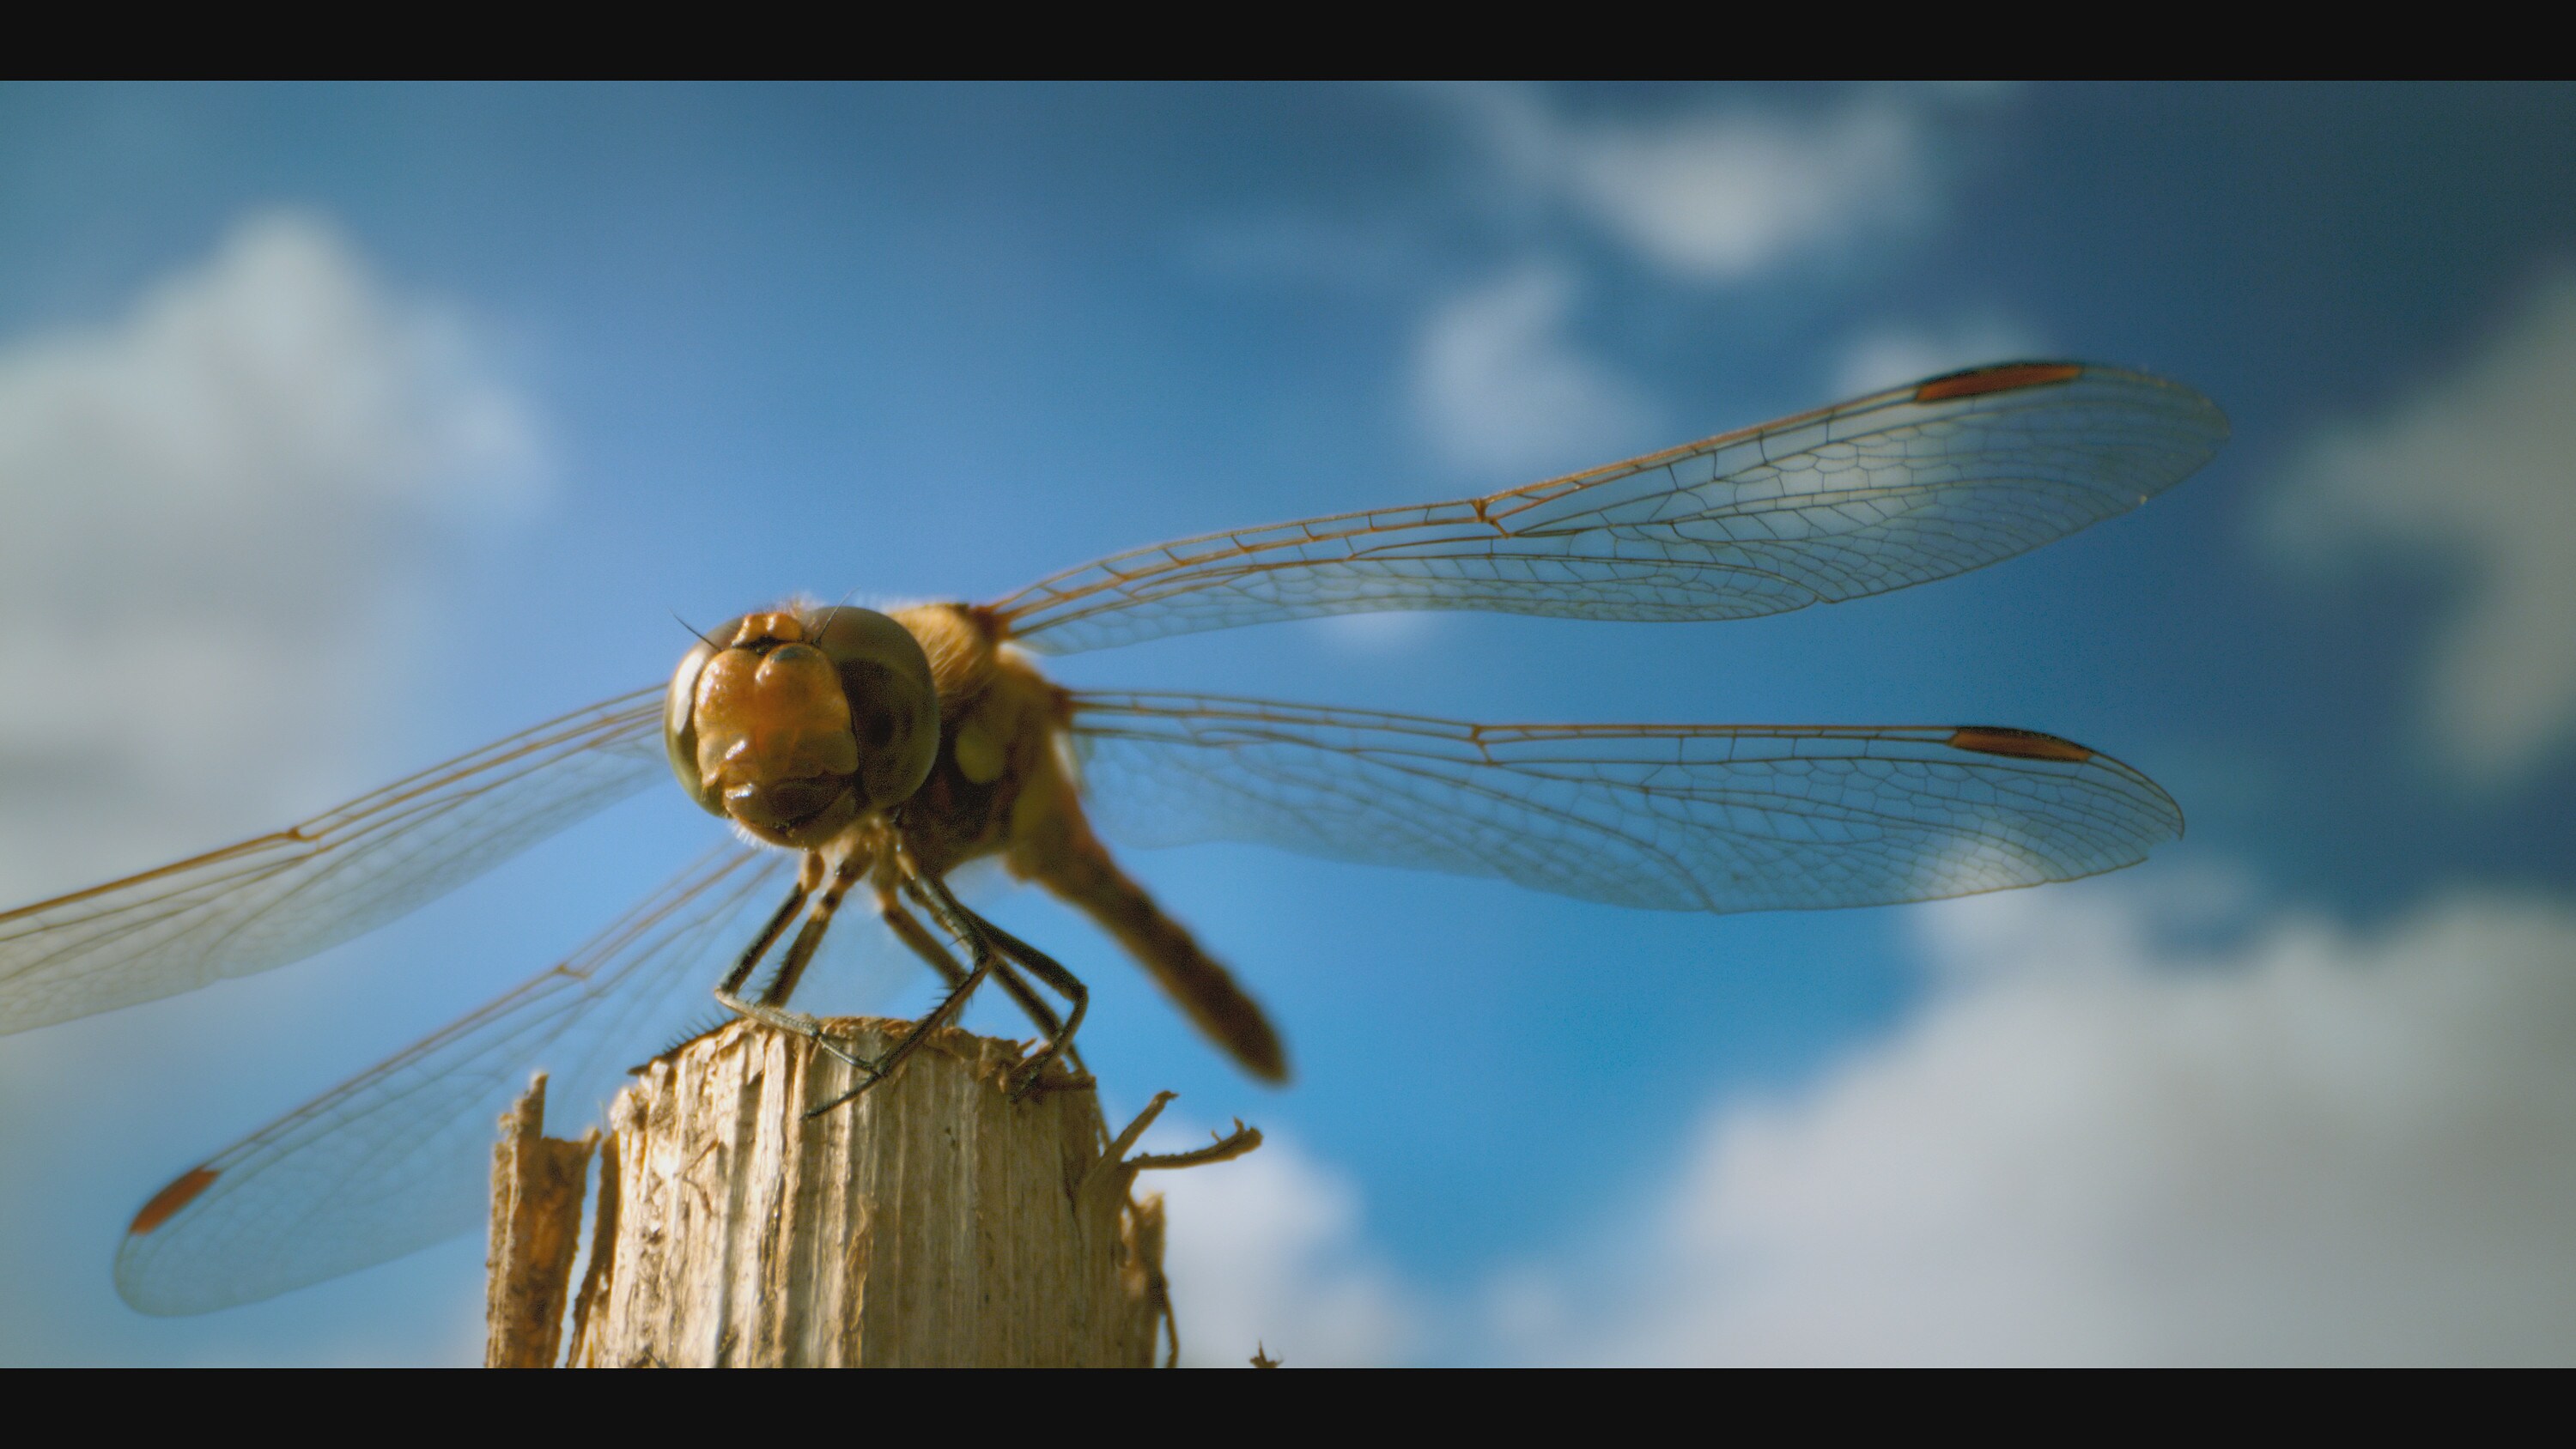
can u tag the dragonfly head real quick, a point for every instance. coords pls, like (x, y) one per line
(795, 722)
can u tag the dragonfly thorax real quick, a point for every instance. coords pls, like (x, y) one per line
(797, 722)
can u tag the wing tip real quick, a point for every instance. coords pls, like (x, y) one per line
(166, 1203)
(2021, 744)
(2002, 377)
(1995, 377)
(2018, 744)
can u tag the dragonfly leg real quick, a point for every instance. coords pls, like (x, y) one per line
(908, 929)
(770, 1009)
(968, 929)
(800, 954)
(993, 949)
(1063, 982)
(986, 957)
(808, 875)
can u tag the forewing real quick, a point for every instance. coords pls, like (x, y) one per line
(1904, 486)
(1665, 817)
(286, 895)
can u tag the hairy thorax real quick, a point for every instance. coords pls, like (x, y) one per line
(1001, 783)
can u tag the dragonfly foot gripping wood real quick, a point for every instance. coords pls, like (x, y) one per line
(932, 1221)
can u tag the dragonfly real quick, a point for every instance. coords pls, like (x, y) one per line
(869, 757)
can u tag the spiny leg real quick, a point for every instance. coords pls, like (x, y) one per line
(908, 929)
(770, 1009)
(809, 874)
(1066, 985)
(970, 929)
(800, 953)
(986, 958)
(993, 949)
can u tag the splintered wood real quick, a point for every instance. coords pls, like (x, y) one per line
(537, 1185)
(933, 1221)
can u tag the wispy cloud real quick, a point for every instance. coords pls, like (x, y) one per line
(1720, 193)
(1901, 354)
(2476, 471)
(216, 504)
(2316, 1146)
(1502, 389)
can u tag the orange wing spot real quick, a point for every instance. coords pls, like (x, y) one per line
(2005, 377)
(2020, 744)
(166, 1203)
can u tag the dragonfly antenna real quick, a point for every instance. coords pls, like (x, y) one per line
(693, 629)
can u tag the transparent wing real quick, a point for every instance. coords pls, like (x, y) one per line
(284, 896)
(1904, 486)
(400, 1157)
(1665, 817)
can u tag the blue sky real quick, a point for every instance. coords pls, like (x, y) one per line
(347, 428)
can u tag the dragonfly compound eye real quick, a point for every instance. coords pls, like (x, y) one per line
(680, 716)
(894, 707)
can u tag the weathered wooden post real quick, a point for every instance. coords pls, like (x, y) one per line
(537, 1188)
(934, 1221)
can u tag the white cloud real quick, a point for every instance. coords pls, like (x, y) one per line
(1721, 193)
(1501, 389)
(2315, 1146)
(220, 507)
(2476, 470)
(1895, 355)
(1266, 1251)
(2098, 1142)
